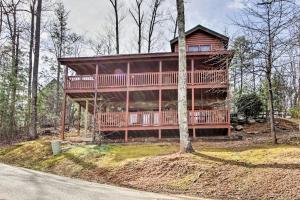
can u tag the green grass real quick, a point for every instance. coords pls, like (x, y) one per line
(37, 155)
(267, 154)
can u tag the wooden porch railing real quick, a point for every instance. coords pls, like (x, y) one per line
(81, 82)
(167, 118)
(112, 119)
(170, 78)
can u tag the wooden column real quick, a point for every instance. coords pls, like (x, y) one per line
(127, 101)
(159, 98)
(86, 117)
(193, 98)
(95, 103)
(79, 119)
(63, 115)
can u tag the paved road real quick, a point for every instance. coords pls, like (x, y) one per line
(24, 184)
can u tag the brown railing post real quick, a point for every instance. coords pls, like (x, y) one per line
(160, 93)
(86, 117)
(193, 98)
(127, 102)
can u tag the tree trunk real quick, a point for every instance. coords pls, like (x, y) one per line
(1, 17)
(242, 72)
(253, 78)
(117, 27)
(299, 83)
(185, 143)
(14, 75)
(32, 10)
(33, 126)
(57, 99)
(271, 108)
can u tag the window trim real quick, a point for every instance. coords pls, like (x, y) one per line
(193, 46)
(198, 47)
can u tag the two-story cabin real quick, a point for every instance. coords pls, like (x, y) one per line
(135, 95)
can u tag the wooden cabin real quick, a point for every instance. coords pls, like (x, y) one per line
(132, 96)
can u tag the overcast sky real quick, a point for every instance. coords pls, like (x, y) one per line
(90, 16)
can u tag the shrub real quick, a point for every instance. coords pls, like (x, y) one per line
(249, 104)
(294, 112)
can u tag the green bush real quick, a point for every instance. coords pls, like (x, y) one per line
(249, 104)
(294, 112)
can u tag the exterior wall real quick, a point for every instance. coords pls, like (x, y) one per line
(135, 99)
(201, 38)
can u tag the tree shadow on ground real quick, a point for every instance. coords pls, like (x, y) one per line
(246, 164)
(238, 149)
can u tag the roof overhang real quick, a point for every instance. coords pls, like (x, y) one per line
(121, 58)
(84, 65)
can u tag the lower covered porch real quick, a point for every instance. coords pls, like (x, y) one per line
(137, 122)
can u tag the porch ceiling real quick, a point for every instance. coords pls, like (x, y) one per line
(139, 62)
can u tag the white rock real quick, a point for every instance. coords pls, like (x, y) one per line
(239, 128)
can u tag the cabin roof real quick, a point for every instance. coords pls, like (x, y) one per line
(204, 29)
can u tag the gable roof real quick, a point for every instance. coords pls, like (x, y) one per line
(204, 29)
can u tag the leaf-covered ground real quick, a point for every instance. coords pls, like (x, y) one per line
(248, 169)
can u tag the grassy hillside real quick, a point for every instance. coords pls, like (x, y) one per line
(223, 170)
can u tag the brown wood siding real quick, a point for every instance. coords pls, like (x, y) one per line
(201, 38)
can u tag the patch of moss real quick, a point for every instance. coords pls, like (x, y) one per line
(267, 154)
(120, 154)
(184, 182)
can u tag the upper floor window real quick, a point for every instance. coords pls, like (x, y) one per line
(193, 48)
(197, 48)
(204, 48)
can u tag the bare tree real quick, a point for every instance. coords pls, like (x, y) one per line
(185, 143)
(59, 36)
(173, 22)
(118, 19)
(33, 127)
(10, 10)
(102, 45)
(138, 16)
(1, 16)
(156, 17)
(267, 22)
(30, 55)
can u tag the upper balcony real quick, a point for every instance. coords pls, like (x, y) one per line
(146, 81)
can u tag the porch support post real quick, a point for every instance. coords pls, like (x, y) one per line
(193, 98)
(79, 118)
(127, 102)
(63, 115)
(95, 104)
(159, 99)
(86, 117)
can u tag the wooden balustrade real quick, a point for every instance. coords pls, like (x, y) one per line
(111, 119)
(167, 118)
(81, 82)
(112, 80)
(170, 78)
(210, 77)
(144, 79)
(201, 77)
(208, 117)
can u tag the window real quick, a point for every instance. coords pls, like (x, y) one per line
(197, 48)
(204, 48)
(193, 48)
